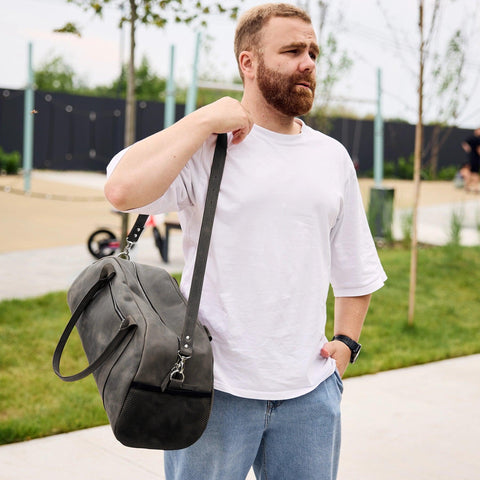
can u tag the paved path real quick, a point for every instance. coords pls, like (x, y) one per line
(31, 273)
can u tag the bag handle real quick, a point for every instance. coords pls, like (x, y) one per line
(193, 304)
(126, 327)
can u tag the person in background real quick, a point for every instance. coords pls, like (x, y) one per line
(471, 146)
(289, 222)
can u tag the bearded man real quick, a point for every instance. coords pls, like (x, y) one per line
(289, 222)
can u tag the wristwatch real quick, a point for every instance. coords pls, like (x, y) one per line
(354, 346)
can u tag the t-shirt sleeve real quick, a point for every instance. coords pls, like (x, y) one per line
(355, 267)
(179, 195)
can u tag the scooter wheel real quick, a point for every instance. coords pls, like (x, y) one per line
(102, 243)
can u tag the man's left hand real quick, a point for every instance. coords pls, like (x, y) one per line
(339, 352)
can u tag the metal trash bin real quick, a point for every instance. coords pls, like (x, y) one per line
(380, 213)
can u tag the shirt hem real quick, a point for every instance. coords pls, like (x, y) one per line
(359, 291)
(277, 395)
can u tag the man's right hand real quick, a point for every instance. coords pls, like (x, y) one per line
(228, 115)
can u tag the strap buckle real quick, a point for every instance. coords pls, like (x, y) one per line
(126, 251)
(176, 373)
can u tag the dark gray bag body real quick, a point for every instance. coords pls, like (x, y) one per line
(150, 357)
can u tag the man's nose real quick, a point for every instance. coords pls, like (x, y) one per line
(307, 63)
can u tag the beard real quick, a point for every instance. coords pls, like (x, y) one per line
(282, 92)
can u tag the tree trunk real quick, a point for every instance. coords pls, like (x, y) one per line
(130, 104)
(129, 136)
(437, 129)
(417, 162)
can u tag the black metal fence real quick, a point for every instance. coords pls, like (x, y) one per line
(73, 132)
(442, 145)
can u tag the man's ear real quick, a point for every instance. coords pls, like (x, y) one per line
(246, 61)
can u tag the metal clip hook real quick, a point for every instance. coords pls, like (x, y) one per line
(126, 252)
(177, 370)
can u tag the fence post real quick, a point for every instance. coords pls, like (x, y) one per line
(28, 124)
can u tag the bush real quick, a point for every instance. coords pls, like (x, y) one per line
(405, 168)
(9, 162)
(389, 170)
(447, 173)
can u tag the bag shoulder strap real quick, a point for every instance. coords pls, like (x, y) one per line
(216, 172)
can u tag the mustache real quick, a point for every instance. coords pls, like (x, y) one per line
(305, 78)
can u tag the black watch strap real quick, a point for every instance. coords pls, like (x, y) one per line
(354, 346)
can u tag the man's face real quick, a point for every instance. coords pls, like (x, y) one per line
(286, 68)
(288, 93)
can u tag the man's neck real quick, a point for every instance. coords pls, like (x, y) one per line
(268, 117)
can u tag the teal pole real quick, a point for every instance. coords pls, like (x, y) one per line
(378, 135)
(170, 97)
(380, 209)
(28, 124)
(192, 91)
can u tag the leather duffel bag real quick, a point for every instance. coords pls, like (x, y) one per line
(150, 356)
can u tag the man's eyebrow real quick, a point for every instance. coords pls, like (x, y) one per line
(313, 47)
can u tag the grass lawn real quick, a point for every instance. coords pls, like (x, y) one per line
(35, 403)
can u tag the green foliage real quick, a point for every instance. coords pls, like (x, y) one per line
(155, 12)
(449, 77)
(447, 173)
(69, 28)
(388, 170)
(56, 75)
(332, 64)
(206, 96)
(148, 86)
(404, 170)
(9, 162)
(406, 226)
(456, 222)
(405, 167)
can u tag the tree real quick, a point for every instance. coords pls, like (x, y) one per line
(439, 79)
(446, 86)
(448, 74)
(417, 165)
(56, 75)
(332, 63)
(148, 12)
(148, 85)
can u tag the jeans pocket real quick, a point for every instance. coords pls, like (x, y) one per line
(339, 380)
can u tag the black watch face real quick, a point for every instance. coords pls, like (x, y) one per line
(355, 354)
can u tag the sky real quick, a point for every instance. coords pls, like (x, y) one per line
(375, 34)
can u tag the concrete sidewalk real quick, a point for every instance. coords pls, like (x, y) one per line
(52, 269)
(417, 423)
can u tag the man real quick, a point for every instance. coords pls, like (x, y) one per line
(289, 222)
(470, 172)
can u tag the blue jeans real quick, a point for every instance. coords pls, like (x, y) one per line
(296, 439)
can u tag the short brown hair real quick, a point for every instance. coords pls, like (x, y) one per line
(247, 34)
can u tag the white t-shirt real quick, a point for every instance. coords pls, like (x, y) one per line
(289, 222)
